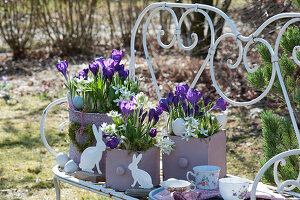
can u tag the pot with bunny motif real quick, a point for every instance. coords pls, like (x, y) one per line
(129, 169)
(85, 119)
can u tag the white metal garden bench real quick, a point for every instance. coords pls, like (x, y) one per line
(151, 10)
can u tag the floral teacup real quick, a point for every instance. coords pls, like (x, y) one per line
(233, 188)
(206, 176)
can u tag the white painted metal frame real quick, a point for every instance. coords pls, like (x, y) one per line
(155, 8)
(294, 17)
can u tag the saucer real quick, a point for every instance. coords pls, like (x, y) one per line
(175, 185)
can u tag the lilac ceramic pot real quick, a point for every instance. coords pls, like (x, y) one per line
(119, 176)
(87, 118)
(195, 152)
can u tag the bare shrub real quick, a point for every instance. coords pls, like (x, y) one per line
(18, 25)
(70, 24)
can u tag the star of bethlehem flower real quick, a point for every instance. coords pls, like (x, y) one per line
(113, 114)
(203, 132)
(165, 144)
(189, 132)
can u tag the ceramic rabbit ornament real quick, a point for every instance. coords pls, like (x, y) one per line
(139, 176)
(91, 156)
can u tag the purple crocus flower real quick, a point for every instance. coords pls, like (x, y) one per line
(108, 63)
(117, 55)
(153, 132)
(108, 72)
(220, 104)
(181, 91)
(193, 96)
(206, 100)
(83, 74)
(151, 114)
(158, 110)
(163, 103)
(123, 73)
(94, 67)
(192, 111)
(62, 67)
(105, 135)
(100, 61)
(141, 112)
(113, 142)
(170, 98)
(118, 67)
(175, 101)
(184, 106)
(156, 119)
(143, 117)
(126, 107)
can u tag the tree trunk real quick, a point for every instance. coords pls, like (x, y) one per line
(198, 26)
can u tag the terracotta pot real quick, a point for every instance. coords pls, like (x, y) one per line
(119, 177)
(88, 118)
(194, 152)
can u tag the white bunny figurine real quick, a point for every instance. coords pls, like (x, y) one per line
(140, 176)
(91, 156)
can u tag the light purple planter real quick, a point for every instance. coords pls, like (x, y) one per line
(119, 177)
(88, 118)
(194, 152)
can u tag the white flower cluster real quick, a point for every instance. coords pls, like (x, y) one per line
(108, 128)
(113, 114)
(192, 126)
(141, 99)
(124, 94)
(165, 144)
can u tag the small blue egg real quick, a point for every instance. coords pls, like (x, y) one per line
(77, 102)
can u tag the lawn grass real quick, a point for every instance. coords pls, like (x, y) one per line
(25, 170)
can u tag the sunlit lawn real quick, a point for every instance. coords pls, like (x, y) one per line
(25, 169)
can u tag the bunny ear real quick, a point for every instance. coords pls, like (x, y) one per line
(133, 158)
(139, 157)
(95, 129)
(100, 132)
(96, 133)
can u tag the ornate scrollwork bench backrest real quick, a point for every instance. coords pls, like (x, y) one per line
(242, 56)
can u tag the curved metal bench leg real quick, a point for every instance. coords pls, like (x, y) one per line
(57, 187)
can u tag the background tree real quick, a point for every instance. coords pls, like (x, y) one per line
(198, 24)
